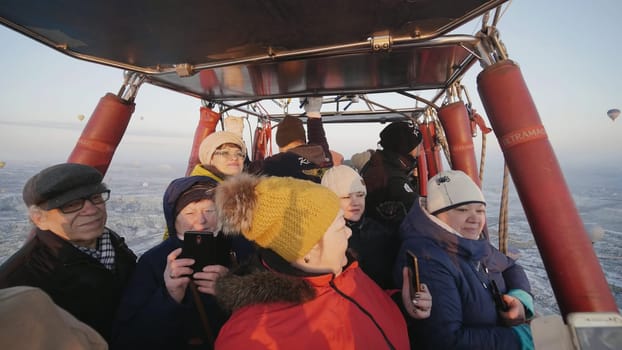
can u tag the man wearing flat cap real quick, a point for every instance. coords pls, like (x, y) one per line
(72, 256)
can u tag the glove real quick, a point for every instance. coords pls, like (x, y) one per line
(312, 106)
(523, 332)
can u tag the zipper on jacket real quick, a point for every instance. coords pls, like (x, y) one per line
(347, 297)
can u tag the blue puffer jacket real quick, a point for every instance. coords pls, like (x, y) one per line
(458, 272)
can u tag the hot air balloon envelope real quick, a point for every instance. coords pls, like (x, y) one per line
(81, 117)
(613, 113)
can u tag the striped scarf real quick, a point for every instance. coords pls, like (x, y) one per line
(103, 251)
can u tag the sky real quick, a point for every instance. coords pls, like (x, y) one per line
(569, 52)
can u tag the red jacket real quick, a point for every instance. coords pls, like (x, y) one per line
(349, 311)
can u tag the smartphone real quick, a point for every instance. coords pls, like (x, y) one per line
(498, 297)
(413, 266)
(206, 248)
(595, 330)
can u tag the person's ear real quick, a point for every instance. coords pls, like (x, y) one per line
(38, 217)
(316, 252)
(312, 257)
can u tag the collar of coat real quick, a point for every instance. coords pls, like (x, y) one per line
(66, 252)
(419, 224)
(260, 282)
(209, 171)
(404, 163)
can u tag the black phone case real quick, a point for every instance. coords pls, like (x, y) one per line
(206, 249)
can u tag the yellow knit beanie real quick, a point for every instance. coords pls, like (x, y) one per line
(284, 214)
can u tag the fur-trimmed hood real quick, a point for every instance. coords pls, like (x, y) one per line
(253, 283)
(259, 287)
(236, 200)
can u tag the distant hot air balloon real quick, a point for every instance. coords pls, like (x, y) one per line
(2, 164)
(613, 113)
(81, 117)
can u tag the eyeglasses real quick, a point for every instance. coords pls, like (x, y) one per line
(77, 204)
(229, 155)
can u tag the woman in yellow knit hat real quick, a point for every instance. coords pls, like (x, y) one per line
(303, 292)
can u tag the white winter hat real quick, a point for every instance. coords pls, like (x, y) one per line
(452, 188)
(343, 180)
(215, 140)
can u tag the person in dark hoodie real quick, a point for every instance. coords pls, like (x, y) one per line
(391, 186)
(464, 272)
(161, 309)
(298, 158)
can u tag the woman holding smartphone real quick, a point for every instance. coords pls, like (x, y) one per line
(168, 304)
(481, 297)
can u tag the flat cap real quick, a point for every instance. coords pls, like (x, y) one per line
(56, 185)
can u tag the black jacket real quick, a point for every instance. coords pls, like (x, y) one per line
(306, 162)
(74, 280)
(391, 188)
(375, 247)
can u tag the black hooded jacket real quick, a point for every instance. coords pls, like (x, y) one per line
(391, 188)
(375, 247)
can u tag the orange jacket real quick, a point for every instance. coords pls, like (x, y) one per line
(349, 312)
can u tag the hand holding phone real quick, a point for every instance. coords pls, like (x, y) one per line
(413, 266)
(498, 297)
(206, 248)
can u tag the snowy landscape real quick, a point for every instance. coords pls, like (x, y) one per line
(135, 212)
